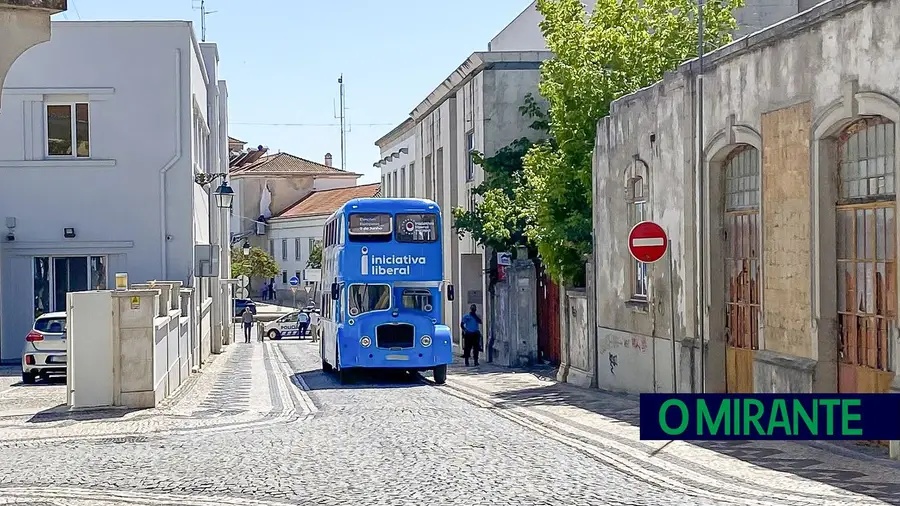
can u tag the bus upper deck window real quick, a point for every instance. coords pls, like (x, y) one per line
(370, 227)
(417, 227)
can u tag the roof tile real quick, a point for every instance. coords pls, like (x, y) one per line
(282, 163)
(328, 201)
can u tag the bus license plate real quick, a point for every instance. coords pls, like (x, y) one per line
(397, 357)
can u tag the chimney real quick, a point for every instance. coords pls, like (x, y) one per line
(328, 159)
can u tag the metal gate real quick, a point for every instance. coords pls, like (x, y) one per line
(548, 317)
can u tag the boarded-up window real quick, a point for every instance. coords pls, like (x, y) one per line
(866, 253)
(742, 266)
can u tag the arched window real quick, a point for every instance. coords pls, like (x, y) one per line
(866, 256)
(742, 266)
(637, 193)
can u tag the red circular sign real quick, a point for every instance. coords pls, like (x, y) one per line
(647, 242)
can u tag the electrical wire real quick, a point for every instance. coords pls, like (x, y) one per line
(306, 124)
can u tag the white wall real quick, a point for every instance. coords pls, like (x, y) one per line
(140, 80)
(392, 184)
(289, 230)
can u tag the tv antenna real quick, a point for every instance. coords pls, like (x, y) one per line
(203, 13)
(342, 114)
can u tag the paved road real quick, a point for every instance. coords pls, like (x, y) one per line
(387, 440)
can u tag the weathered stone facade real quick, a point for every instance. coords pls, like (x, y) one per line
(784, 239)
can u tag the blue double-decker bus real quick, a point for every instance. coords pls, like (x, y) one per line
(383, 261)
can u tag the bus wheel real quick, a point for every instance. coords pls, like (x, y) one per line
(274, 335)
(326, 366)
(343, 376)
(440, 374)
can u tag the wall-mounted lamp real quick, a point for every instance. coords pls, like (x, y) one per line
(68, 232)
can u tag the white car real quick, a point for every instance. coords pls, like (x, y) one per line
(45, 348)
(287, 326)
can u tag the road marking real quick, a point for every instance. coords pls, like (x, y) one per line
(648, 241)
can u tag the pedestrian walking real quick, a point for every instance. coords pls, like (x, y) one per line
(471, 334)
(302, 323)
(247, 321)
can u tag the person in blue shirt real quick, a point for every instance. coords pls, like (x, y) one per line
(302, 323)
(471, 334)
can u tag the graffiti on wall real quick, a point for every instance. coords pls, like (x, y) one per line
(613, 363)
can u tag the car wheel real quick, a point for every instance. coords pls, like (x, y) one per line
(28, 378)
(274, 335)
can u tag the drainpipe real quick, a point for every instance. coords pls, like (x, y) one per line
(701, 205)
(163, 240)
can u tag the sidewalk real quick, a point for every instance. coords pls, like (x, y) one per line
(247, 386)
(606, 425)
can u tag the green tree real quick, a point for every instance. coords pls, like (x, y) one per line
(499, 221)
(258, 264)
(624, 45)
(315, 256)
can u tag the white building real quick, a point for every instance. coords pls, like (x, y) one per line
(102, 133)
(294, 231)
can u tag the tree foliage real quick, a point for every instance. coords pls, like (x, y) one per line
(624, 45)
(258, 264)
(315, 256)
(499, 220)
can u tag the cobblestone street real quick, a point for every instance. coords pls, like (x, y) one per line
(262, 425)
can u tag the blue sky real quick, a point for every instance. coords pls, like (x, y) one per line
(282, 59)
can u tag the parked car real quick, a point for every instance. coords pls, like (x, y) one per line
(287, 326)
(45, 348)
(240, 304)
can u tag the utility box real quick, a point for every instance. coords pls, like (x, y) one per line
(206, 260)
(90, 379)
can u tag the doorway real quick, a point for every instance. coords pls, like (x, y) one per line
(54, 277)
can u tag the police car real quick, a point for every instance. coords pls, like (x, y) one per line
(287, 326)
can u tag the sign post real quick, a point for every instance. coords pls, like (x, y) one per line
(294, 281)
(648, 243)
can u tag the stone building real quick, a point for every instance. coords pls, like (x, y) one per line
(783, 239)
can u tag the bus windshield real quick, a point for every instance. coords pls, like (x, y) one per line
(421, 227)
(362, 298)
(417, 298)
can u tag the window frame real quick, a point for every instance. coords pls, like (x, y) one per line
(375, 237)
(396, 227)
(741, 220)
(284, 249)
(421, 292)
(637, 172)
(470, 148)
(855, 324)
(297, 249)
(388, 289)
(73, 126)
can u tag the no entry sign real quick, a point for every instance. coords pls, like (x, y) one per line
(647, 242)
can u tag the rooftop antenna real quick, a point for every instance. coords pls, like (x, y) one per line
(342, 115)
(203, 13)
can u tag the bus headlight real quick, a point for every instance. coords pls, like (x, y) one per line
(426, 341)
(366, 341)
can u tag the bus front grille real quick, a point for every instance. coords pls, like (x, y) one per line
(395, 336)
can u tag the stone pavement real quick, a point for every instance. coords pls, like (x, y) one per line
(245, 387)
(489, 437)
(606, 426)
(385, 440)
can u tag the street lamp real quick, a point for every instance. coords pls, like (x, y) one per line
(246, 248)
(224, 196)
(224, 193)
